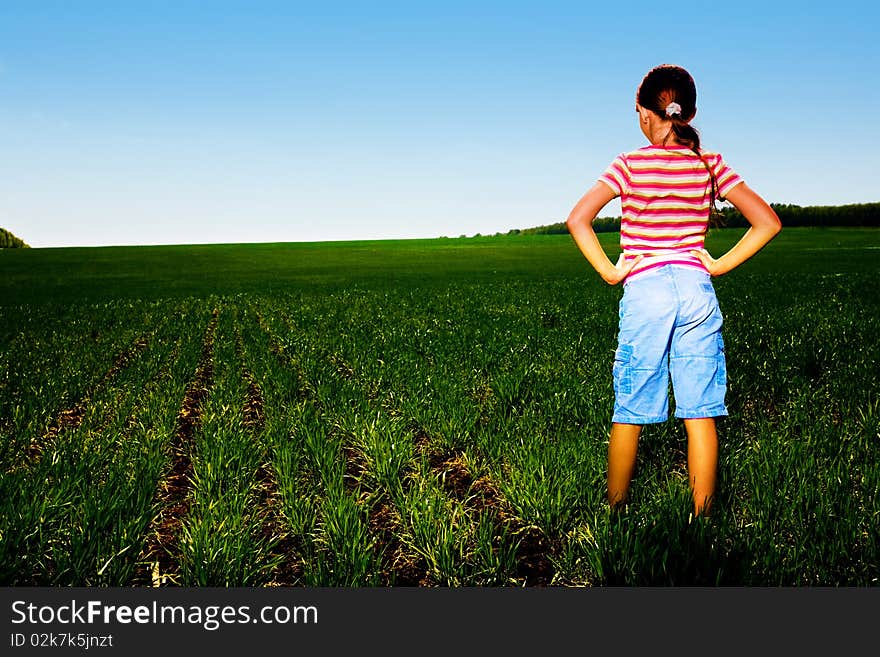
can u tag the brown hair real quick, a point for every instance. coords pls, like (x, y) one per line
(667, 84)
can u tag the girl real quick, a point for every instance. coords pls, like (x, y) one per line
(670, 323)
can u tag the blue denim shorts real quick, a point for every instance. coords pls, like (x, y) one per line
(670, 324)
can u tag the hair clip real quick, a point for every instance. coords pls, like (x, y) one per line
(673, 108)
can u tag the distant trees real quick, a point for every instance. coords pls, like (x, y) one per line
(855, 214)
(10, 241)
(600, 225)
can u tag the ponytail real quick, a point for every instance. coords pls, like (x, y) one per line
(687, 135)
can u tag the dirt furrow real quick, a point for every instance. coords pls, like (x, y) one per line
(70, 419)
(304, 389)
(253, 406)
(482, 496)
(399, 566)
(290, 569)
(159, 558)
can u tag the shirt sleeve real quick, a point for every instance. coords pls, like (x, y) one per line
(616, 176)
(726, 177)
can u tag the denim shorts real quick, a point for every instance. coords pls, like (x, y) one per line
(670, 324)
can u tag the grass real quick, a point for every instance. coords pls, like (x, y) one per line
(422, 412)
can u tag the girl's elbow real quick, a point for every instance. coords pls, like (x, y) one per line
(769, 223)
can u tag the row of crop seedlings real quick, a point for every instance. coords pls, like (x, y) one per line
(159, 559)
(486, 386)
(419, 379)
(286, 396)
(324, 479)
(77, 511)
(381, 520)
(223, 539)
(324, 533)
(56, 361)
(426, 534)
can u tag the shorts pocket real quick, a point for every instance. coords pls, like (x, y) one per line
(721, 369)
(622, 370)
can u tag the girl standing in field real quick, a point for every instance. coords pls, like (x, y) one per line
(670, 323)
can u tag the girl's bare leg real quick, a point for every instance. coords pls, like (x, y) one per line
(622, 447)
(702, 461)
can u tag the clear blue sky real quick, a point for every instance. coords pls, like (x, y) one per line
(199, 122)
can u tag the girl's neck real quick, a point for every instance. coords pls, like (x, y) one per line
(664, 137)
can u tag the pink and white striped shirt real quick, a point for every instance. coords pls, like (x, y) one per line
(664, 197)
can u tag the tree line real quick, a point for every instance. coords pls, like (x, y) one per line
(830, 216)
(10, 241)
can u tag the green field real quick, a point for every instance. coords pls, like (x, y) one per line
(421, 413)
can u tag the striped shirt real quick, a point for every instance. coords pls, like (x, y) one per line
(664, 196)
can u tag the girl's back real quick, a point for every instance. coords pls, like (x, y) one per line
(665, 202)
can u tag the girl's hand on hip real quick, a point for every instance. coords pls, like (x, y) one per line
(621, 269)
(710, 263)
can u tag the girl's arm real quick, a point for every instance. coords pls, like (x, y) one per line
(580, 225)
(765, 225)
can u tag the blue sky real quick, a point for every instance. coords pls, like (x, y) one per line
(203, 122)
